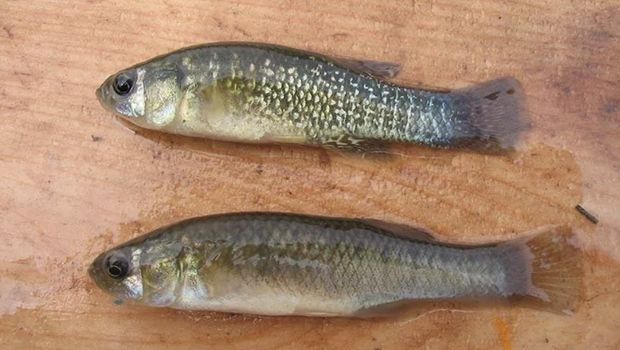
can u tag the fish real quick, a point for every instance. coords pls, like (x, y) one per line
(279, 264)
(262, 93)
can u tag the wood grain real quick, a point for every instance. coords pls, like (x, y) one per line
(73, 181)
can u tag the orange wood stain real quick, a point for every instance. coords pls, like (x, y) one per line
(503, 329)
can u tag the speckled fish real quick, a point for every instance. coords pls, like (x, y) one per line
(261, 93)
(282, 264)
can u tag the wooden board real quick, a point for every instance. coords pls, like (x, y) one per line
(74, 182)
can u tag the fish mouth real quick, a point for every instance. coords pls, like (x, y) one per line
(98, 93)
(93, 270)
(103, 96)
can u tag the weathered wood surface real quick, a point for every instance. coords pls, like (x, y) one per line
(74, 182)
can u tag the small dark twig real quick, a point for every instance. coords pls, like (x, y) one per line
(587, 214)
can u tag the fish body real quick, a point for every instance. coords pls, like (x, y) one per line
(261, 93)
(283, 264)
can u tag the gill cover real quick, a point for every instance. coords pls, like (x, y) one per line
(162, 96)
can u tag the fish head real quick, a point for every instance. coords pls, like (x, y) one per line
(138, 272)
(116, 273)
(147, 95)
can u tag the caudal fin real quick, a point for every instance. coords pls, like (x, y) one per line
(491, 114)
(554, 280)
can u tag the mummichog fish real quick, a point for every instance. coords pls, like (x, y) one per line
(259, 93)
(285, 264)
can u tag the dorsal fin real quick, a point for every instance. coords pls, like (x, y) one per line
(402, 230)
(377, 69)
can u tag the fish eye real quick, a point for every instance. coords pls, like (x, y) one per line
(123, 84)
(116, 266)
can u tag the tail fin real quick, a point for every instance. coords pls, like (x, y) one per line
(492, 113)
(555, 270)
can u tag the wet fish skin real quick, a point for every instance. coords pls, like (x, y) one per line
(263, 93)
(283, 264)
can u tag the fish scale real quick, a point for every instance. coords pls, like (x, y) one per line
(346, 257)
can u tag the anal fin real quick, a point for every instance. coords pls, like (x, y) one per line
(409, 309)
(406, 309)
(350, 143)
